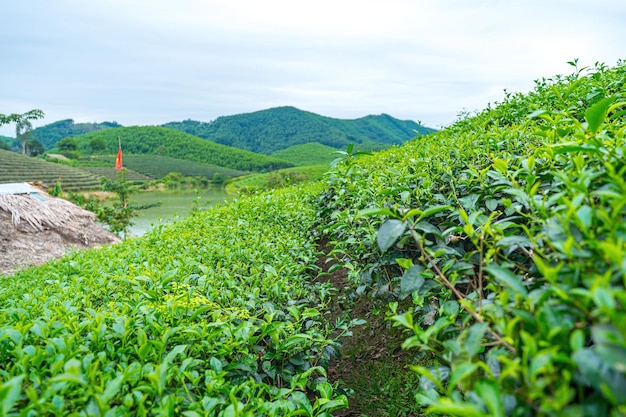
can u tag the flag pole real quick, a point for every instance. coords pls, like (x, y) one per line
(118, 159)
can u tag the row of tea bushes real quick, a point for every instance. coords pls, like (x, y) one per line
(215, 315)
(500, 243)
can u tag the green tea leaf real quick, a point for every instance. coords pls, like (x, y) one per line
(10, 393)
(112, 388)
(461, 372)
(489, 392)
(606, 381)
(389, 233)
(448, 408)
(411, 281)
(507, 278)
(431, 211)
(474, 338)
(596, 114)
(375, 211)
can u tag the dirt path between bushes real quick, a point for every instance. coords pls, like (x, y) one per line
(369, 357)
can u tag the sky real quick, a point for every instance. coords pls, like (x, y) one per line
(149, 62)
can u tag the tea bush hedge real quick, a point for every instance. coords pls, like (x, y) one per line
(215, 315)
(500, 243)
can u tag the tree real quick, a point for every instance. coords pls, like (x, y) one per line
(97, 145)
(23, 124)
(67, 144)
(17, 118)
(119, 215)
(23, 129)
(34, 148)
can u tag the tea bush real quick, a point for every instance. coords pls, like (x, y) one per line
(500, 243)
(215, 315)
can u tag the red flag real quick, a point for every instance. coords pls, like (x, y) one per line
(118, 160)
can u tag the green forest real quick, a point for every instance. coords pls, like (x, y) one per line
(51, 133)
(271, 130)
(476, 271)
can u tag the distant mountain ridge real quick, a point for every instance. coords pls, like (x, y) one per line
(266, 131)
(50, 134)
(271, 130)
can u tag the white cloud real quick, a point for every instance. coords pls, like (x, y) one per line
(150, 62)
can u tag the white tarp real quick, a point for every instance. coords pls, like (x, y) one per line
(18, 188)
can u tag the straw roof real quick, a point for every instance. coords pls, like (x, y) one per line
(36, 227)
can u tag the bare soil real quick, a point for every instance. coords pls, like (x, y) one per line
(372, 348)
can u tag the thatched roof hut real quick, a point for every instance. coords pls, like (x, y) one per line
(36, 227)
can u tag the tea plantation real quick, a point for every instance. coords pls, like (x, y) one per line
(156, 166)
(498, 243)
(20, 168)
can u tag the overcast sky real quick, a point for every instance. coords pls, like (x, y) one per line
(147, 62)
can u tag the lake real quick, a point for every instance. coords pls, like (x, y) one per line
(175, 204)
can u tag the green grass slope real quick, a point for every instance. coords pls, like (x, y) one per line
(277, 179)
(311, 153)
(271, 130)
(19, 168)
(152, 140)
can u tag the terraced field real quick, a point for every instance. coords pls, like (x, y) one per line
(111, 173)
(155, 166)
(19, 168)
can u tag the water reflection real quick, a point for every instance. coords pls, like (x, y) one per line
(175, 204)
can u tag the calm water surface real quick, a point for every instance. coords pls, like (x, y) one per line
(175, 205)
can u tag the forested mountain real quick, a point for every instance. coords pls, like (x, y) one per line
(265, 131)
(154, 140)
(271, 130)
(5, 142)
(49, 135)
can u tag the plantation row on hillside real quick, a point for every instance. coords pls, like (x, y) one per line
(157, 167)
(151, 140)
(499, 244)
(19, 168)
(139, 168)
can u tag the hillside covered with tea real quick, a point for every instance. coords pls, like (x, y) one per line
(492, 252)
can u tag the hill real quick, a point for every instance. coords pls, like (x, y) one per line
(312, 153)
(271, 130)
(153, 140)
(50, 134)
(16, 167)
